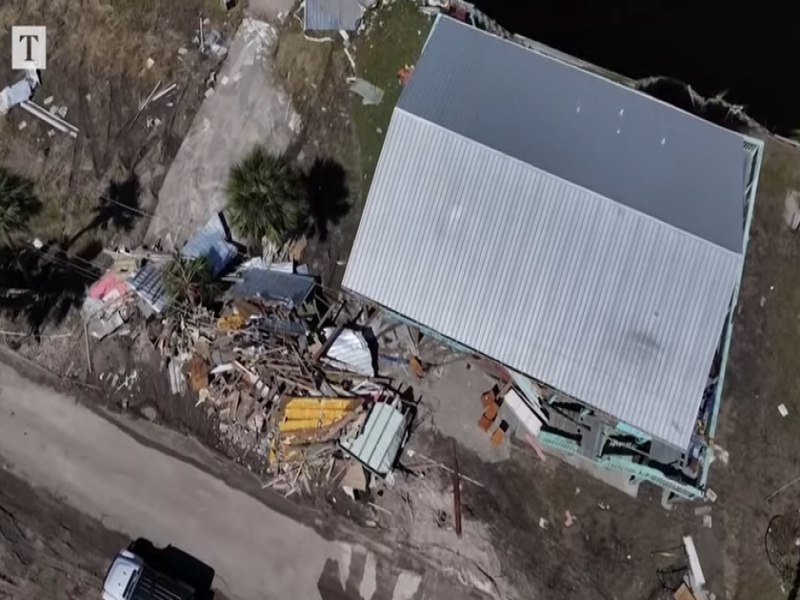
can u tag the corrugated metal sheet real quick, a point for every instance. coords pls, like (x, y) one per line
(603, 302)
(380, 440)
(287, 288)
(146, 282)
(600, 135)
(351, 351)
(212, 242)
(333, 15)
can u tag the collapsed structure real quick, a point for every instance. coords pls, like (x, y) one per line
(586, 239)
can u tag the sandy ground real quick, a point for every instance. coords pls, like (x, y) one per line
(248, 107)
(162, 494)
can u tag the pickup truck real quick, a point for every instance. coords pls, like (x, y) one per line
(130, 577)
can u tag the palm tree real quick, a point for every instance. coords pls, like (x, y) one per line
(18, 204)
(189, 280)
(266, 198)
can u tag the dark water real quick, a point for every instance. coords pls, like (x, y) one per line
(750, 50)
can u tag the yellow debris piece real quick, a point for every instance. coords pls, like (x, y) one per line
(312, 413)
(230, 322)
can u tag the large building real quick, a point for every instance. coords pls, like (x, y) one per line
(584, 236)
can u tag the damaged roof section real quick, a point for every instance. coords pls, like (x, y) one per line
(335, 15)
(212, 242)
(289, 289)
(584, 234)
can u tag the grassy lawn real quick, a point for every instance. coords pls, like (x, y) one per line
(393, 38)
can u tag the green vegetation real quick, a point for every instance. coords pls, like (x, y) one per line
(266, 198)
(189, 280)
(394, 38)
(18, 204)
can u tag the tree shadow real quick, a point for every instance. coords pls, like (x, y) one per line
(42, 286)
(118, 208)
(327, 193)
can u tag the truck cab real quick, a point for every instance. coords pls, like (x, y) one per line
(130, 578)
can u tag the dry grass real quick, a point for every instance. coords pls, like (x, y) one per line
(97, 55)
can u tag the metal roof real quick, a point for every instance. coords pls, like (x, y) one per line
(287, 288)
(598, 134)
(334, 15)
(596, 297)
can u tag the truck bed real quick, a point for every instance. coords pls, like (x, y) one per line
(152, 585)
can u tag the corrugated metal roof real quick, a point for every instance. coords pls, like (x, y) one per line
(287, 288)
(333, 15)
(598, 134)
(594, 297)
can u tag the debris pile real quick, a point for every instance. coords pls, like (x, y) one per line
(299, 382)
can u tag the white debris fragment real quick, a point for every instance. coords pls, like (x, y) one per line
(542, 522)
(53, 109)
(570, 519)
(707, 523)
(62, 112)
(48, 101)
(183, 51)
(209, 92)
(783, 410)
(603, 506)
(225, 80)
(23, 125)
(149, 63)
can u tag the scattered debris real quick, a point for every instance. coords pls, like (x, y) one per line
(16, 94)
(456, 491)
(371, 95)
(51, 119)
(570, 519)
(783, 410)
(150, 413)
(696, 578)
(354, 479)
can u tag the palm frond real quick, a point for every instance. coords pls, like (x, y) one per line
(266, 198)
(18, 203)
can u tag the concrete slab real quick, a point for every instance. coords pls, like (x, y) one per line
(620, 481)
(251, 107)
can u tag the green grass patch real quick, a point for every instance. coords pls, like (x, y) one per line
(394, 37)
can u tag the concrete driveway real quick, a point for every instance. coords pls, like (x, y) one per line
(249, 106)
(148, 482)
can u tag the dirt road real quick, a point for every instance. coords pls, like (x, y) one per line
(145, 482)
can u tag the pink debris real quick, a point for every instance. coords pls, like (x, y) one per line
(108, 288)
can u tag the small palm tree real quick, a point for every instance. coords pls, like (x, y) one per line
(18, 204)
(189, 280)
(266, 198)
